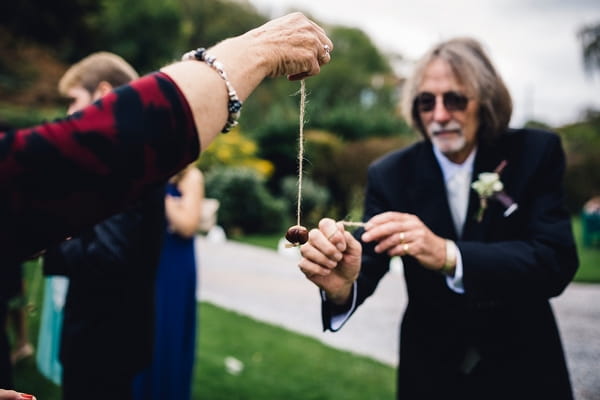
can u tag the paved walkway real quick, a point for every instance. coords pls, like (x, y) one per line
(268, 286)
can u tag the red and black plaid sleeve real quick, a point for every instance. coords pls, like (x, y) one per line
(60, 177)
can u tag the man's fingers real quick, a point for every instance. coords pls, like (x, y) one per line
(326, 255)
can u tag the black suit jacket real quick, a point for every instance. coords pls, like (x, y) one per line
(512, 266)
(108, 323)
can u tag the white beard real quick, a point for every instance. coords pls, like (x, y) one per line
(447, 143)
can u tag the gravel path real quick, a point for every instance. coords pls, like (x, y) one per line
(268, 286)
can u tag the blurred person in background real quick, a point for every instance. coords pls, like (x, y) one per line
(477, 213)
(107, 326)
(10, 286)
(170, 375)
(17, 316)
(13, 316)
(51, 322)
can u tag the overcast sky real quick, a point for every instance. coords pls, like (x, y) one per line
(533, 43)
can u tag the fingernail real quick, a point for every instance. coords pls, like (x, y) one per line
(26, 396)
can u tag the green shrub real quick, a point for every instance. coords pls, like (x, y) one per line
(582, 176)
(315, 199)
(350, 165)
(277, 140)
(246, 204)
(234, 150)
(357, 122)
(18, 117)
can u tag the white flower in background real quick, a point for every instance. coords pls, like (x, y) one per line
(233, 365)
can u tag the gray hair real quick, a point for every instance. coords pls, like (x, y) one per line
(474, 70)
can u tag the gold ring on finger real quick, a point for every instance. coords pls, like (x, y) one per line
(405, 248)
(402, 237)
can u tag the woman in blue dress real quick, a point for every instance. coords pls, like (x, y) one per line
(170, 375)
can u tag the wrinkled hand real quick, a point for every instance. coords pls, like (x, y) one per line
(12, 395)
(293, 45)
(400, 234)
(331, 259)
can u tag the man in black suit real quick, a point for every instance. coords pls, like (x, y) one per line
(479, 269)
(107, 334)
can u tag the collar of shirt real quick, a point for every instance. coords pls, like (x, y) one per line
(449, 168)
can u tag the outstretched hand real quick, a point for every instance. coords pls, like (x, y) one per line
(400, 234)
(331, 259)
(296, 45)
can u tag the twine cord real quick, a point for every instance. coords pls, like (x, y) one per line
(301, 160)
(300, 149)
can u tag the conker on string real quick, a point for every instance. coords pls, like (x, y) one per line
(297, 234)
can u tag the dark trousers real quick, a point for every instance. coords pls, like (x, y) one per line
(79, 382)
(5, 366)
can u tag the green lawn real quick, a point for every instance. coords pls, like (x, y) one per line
(277, 364)
(268, 241)
(589, 257)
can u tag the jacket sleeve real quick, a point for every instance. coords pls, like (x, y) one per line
(59, 178)
(127, 240)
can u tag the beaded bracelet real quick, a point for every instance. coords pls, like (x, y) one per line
(234, 104)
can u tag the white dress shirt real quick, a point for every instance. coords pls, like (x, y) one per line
(449, 171)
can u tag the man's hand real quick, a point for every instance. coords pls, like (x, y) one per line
(400, 234)
(331, 259)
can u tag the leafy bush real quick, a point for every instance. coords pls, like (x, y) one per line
(18, 117)
(246, 204)
(315, 199)
(357, 122)
(234, 149)
(582, 177)
(351, 163)
(277, 142)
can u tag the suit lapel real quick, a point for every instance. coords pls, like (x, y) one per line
(430, 200)
(487, 160)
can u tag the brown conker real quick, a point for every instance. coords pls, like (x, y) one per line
(297, 234)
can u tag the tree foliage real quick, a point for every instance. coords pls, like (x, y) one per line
(582, 177)
(59, 24)
(147, 33)
(208, 22)
(589, 37)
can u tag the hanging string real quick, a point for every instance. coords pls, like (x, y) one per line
(298, 234)
(300, 149)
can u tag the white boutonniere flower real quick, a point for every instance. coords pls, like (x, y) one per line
(489, 186)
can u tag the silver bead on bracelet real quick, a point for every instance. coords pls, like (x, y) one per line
(234, 104)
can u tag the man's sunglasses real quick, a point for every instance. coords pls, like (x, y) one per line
(453, 101)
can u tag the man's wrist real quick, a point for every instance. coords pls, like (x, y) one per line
(450, 261)
(340, 302)
(339, 298)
